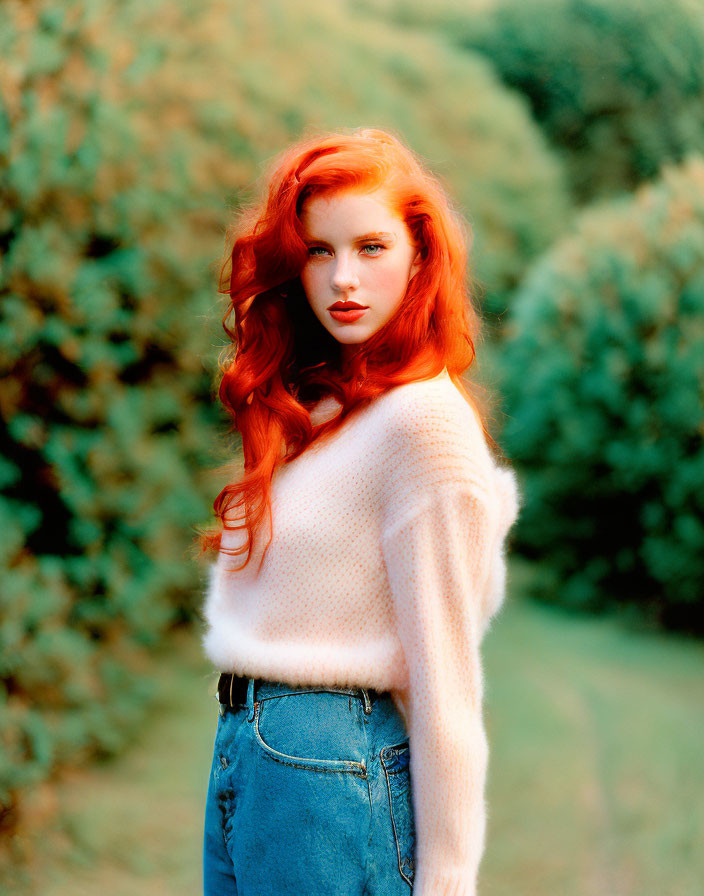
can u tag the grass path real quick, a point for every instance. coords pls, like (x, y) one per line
(596, 772)
(595, 782)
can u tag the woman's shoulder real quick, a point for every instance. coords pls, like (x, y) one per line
(433, 434)
(428, 411)
(427, 428)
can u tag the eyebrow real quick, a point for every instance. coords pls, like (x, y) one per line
(377, 235)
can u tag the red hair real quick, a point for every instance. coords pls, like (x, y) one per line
(281, 359)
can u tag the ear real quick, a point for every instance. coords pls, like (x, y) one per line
(416, 265)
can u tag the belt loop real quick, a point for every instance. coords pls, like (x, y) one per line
(221, 706)
(367, 701)
(250, 699)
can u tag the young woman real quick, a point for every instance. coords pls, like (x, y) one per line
(350, 755)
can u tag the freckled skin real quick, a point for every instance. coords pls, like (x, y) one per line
(373, 271)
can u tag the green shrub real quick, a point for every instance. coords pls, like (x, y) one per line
(618, 87)
(98, 375)
(603, 383)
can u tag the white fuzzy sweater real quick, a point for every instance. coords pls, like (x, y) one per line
(386, 566)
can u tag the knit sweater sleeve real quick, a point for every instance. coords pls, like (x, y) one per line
(439, 527)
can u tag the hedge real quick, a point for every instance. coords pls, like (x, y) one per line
(603, 377)
(617, 87)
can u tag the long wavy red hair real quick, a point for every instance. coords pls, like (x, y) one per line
(281, 360)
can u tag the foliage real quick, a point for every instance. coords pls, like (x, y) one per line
(101, 435)
(618, 87)
(603, 380)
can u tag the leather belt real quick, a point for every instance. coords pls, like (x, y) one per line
(232, 691)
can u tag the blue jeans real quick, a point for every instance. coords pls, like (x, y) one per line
(309, 795)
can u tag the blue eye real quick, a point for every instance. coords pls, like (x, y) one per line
(371, 249)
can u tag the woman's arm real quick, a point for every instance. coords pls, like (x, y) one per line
(442, 516)
(437, 561)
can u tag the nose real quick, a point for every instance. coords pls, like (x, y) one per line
(344, 275)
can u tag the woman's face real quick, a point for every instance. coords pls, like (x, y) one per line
(359, 254)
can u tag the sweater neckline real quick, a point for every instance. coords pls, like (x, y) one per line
(329, 401)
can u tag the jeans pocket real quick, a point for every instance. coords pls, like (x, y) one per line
(313, 730)
(396, 763)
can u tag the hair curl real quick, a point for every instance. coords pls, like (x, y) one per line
(281, 360)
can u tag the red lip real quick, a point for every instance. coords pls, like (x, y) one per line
(345, 306)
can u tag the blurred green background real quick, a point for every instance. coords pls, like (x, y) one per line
(571, 135)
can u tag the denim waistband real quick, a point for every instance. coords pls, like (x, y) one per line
(264, 688)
